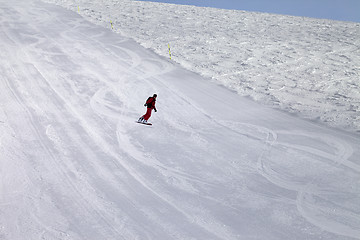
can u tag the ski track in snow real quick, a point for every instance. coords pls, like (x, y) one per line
(301, 65)
(73, 166)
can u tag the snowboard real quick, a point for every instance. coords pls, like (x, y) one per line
(144, 123)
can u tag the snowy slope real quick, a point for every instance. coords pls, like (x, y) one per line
(306, 66)
(74, 165)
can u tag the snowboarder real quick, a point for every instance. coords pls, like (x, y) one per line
(150, 104)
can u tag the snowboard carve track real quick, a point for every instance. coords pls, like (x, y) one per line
(76, 166)
(335, 154)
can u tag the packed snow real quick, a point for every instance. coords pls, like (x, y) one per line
(309, 67)
(214, 165)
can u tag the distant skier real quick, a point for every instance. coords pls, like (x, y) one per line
(150, 104)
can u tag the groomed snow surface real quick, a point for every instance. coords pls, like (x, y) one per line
(214, 165)
(309, 67)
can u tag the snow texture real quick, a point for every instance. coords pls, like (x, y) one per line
(309, 67)
(74, 165)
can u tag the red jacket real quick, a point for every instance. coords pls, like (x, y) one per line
(150, 103)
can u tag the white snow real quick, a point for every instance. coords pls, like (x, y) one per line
(310, 67)
(214, 165)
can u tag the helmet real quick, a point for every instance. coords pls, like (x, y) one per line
(155, 95)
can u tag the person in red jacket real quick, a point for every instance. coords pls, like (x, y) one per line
(150, 104)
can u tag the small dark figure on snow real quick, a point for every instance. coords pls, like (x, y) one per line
(150, 104)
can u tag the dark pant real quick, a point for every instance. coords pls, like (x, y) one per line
(147, 114)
